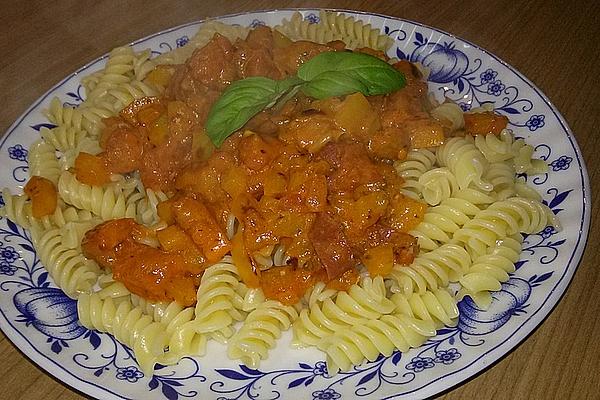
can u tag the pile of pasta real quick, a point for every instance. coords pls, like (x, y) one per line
(469, 239)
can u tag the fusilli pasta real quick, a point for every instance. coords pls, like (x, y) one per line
(370, 339)
(259, 331)
(361, 302)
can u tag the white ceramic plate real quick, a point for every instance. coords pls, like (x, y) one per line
(42, 321)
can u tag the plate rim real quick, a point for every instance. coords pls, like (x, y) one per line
(471, 370)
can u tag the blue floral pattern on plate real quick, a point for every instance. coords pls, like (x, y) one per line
(130, 374)
(17, 152)
(561, 163)
(535, 122)
(43, 321)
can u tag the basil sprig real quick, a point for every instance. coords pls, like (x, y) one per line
(241, 101)
(367, 73)
(326, 75)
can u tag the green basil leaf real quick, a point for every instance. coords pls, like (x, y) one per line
(286, 97)
(286, 84)
(241, 101)
(323, 62)
(332, 83)
(377, 76)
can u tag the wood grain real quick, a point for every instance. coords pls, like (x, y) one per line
(553, 43)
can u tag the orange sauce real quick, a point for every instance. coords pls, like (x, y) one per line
(150, 272)
(314, 176)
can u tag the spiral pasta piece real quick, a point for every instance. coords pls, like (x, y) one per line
(164, 339)
(355, 33)
(72, 232)
(16, 208)
(465, 161)
(122, 320)
(483, 231)
(106, 202)
(259, 332)
(417, 163)
(438, 306)
(441, 222)
(318, 293)
(251, 298)
(333, 26)
(86, 145)
(508, 157)
(361, 302)
(69, 269)
(116, 96)
(62, 216)
(450, 116)
(85, 117)
(219, 304)
(63, 138)
(488, 271)
(437, 185)
(501, 219)
(534, 216)
(502, 176)
(495, 148)
(368, 340)
(145, 203)
(43, 161)
(118, 69)
(181, 338)
(101, 314)
(523, 160)
(111, 288)
(430, 270)
(522, 189)
(299, 29)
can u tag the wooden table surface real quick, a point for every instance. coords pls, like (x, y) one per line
(553, 43)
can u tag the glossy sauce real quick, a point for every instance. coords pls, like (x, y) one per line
(314, 176)
(150, 272)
